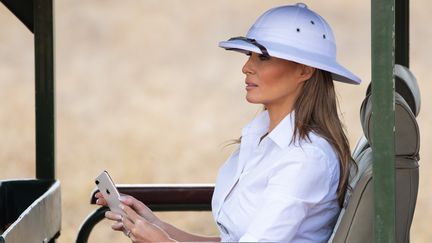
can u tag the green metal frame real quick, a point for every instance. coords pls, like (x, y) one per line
(383, 87)
(390, 45)
(38, 17)
(402, 35)
(44, 87)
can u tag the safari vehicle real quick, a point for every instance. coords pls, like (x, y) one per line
(387, 154)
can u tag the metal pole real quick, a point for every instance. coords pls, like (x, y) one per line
(402, 33)
(44, 86)
(383, 123)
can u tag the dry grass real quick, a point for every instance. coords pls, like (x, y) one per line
(143, 91)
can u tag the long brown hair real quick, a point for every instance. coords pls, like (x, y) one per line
(316, 110)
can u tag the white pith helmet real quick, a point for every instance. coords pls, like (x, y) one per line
(297, 34)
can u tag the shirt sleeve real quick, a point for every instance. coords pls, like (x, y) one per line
(298, 181)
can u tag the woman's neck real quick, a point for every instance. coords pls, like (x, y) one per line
(276, 115)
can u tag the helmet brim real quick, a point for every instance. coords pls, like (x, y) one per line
(339, 73)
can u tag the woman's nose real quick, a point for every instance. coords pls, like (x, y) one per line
(247, 69)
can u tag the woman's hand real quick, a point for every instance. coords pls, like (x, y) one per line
(139, 229)
(117, 218)
(140, 208)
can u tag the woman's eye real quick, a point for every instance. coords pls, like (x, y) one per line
(249, 53)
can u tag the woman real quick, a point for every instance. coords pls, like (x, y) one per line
(287, 180)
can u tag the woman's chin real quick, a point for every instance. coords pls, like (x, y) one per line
(253, 100)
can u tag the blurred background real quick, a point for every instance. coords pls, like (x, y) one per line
(143, 91)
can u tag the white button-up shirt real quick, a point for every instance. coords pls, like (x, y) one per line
(277, 190)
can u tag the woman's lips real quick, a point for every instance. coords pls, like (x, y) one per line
(250, 85)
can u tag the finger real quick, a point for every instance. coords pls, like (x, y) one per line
(130, 213)
(113, 216)
(128, 224)
(132, 202)
(133, 238)
(127, 200)
(117, 226)
(101, 201)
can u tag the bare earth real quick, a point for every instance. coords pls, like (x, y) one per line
(144, 92)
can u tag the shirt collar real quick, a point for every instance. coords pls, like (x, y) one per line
(281, 135)
(258, 126)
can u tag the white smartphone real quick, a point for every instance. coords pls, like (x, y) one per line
(106, 186)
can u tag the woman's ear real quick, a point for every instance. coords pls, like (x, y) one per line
(306, 72)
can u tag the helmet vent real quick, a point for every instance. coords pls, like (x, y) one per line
(324, 36)
(298, 29)
(312, 22)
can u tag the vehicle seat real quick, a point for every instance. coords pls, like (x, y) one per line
(355, 222)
